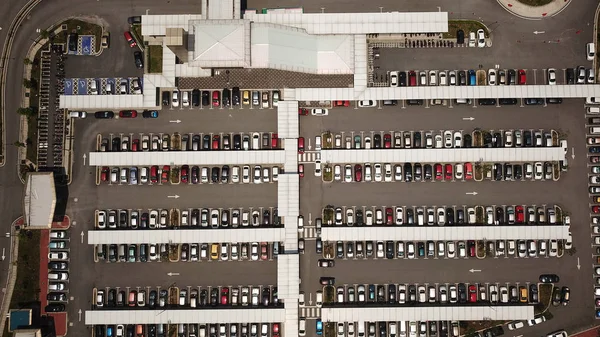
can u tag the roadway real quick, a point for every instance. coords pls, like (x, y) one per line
(573, 28)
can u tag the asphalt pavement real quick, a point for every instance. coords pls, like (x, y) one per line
(514, 45)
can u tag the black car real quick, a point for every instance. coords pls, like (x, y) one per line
(554, 100)
(487, 139)
(134, 20)
(55, 296)
(460, 216)
(116, 144)
(549, 278)
(500, 215)
(205, 98)
(226, 99)
(528, 140)
(518, 171)
(359, 217)
(266, 217)
(377, 141)
(214, 175)
(467, 141)
(55, 307)
(402, 79)
(497, 140)
(235, 96)
(570, 76)
(166, 98)
(389, 249)
(511, 77)
(417, 139)
(533, 293)
(139, 62)
(225, 174)
(57, 265)
(460, 36)
(150, 114)
(428, 172)
(450, 216)
(462, 77)
(73, 42)
(408, 170)
(508, 101)
(594, 149)
(418, 171)
(104, 114)
(206, 142)
(414, 102)
(195, 174)
(462, 293)
(497, 172)
(534, 101)
(487, 101)
(556, 296)
(196, 97)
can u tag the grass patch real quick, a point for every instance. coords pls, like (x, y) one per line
(137, 31)
(327, 173)
(328, 215)
(535, 3)
(81, 28)
(34, 102)
(466, 26)
(155, 59)
(545, 293)
(27, 285)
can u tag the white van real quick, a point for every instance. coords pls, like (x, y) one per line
(319, 301)
(255, 141)
(301, 298)
(392, 329)
(235, 174)
(593, 110)
(472, 39)
(275, 173)
(595, 130)
(302, 327)
(318, 143)
(361, 329)
(402, 325)
(300, 223)
(77, 114)
(590, 51)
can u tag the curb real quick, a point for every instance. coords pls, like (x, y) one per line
(536, 18)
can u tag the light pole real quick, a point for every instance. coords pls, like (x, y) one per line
(439, 8)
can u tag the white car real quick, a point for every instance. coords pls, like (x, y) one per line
(175, 99)
(552, 76)
(318, 168)
(337, 173)
(378, 174)
(245, 174)
(560, 333)
(452, 76)
(348, 173)
(432, 77)
(459, 171)
(393, 78)
(457, 139)
(319, 112)
(254, 251)
(448, 139)
(185, 99)
(537, 320)
(422, 78)
(101, 219)
(257, 174)
(58, 256)
(366, 104)
(480, 38)
(492, 77)
(539, 171)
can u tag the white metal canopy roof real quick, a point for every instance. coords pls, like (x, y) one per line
(358, 23)
(428, 313)
(40, 199)
(288, 276)
(104, 102)
(447, 92)
(105, 237)
(288, 119)
(444, 233)
(177, 316)
(221, 43)
(460, 155)
(292, 49)
(266, 157)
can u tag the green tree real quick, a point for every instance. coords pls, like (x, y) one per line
(27, 83)
(29, 112)
(19, 144)
(44, 34)
(27, 61)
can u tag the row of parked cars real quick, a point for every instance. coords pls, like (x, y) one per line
(437, 140)
(221, 98)
(193, 252)
(594, 190)
(155, 174)
(391, 329)
(191, 297)
(445, 215)
(190, 330)
(433, 249)
(413, 78)
(190, 142)
(460, 293)
(58, 271)
(194, 217)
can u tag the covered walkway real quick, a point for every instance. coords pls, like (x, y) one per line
(266, 157)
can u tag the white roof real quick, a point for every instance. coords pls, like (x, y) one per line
(288, 276)
(177, 316)
(444, 233)
(428, 313)
(218, 9)
(221, 43)
(158, 24)
(460, 155)
(358, 23)
(267, 157)
(361, 62)
(103, 237)
(287, 119)
(103, 102)
(40, 199)
(288, 207)
(448, 92)
(292, 49)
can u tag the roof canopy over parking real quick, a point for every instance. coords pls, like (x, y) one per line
(445, 233)
(266, 157)
(444, 92)
(105, 237)
(39, 200)
(460, 155)
(428, 313)
(182, 316)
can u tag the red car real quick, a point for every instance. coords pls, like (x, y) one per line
(301, 170)
(130, 39)
(275, 329)
(154, 174)
(301, 145)
(471, 245)
(302, 111)
(104, 174)
(185, 174)
(264, 255)
(596, 209)
(472, 293)
(135, 146)
(594, 159)
(342, 103)
(387, 141)
(358, 173)
(448, 169)
(468, 171)
(412, 78)
(389, 216)
(520, 214)
(216, 142)
(522, 77)
(438, 172)
(274, 141)
(224, 296)
(128, 114)
(165, 174)
(216, 98)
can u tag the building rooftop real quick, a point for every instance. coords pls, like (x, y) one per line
(39, 200)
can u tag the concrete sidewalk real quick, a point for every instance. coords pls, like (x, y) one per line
(534, 13)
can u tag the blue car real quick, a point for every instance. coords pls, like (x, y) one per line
(319, 327)
(472, 77)
(150, 114)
